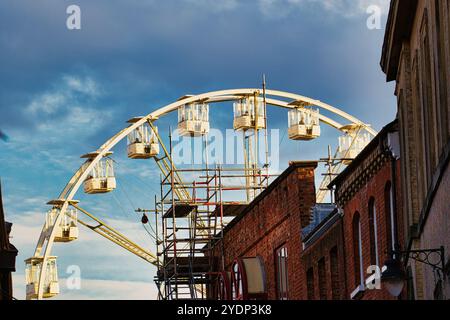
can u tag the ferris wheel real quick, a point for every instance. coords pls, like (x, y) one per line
(97, 174)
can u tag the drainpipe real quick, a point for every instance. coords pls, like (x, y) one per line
(344, 255)
(394, 201)
(392, 149)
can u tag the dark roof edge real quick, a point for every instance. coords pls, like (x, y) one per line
(325, 225)
(398, 28)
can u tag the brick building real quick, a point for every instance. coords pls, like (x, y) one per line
(368, 191)
(323, 256)
(322, 251)
(271, 226)
(416, 54)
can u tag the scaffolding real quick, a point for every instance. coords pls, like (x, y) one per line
(350, 145)
(189, 229)
(192, 217)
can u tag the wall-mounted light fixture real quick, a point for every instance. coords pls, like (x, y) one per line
(394, 276)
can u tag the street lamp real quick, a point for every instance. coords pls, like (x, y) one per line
(394, 276)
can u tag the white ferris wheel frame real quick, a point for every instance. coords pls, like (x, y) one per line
(70, 190)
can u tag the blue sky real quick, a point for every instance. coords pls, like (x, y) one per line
(63, 93)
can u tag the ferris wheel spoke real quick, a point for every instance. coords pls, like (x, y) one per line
(115, 236)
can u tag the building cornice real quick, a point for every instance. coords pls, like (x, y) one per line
(398, 29)
(361, 176)
(364, 167)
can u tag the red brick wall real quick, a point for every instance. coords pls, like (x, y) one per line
(360, 203)
(274, 220)
(321, 249)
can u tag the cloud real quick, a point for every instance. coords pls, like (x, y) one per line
(214, 5)
(275, 9)
(84, 85)
(65, 114)
(68, 102)
(47, 103)
(343, 8)
(97, 289)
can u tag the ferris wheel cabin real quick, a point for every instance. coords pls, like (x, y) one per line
(101, 179)
(248, 116)
(351, 145)
(50, 286)
(67, 230)
(304, 124)
(193, 119)
(143, 143)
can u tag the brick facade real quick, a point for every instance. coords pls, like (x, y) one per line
(321, 251)
(372, 190)
(323, 256)
(362, 191)
(275, 218)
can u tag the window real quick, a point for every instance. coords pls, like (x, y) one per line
(408, 138)
(428, 108)
(310, 283)
(237, 282)
(334, 270)
(389, 217)
(442, 74)
(419, 139)
(357, 250)
(322, 279)
(281, 269)
(373, 233)
(222, 286)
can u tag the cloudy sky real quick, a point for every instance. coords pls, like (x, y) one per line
(64, 92)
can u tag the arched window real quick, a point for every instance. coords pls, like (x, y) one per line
(357, 250)
(249, 279)
(373, 232)
(334, 270)
(310, 283)
(281, 269)
(322, 280)
(389, 216)
(222, 286)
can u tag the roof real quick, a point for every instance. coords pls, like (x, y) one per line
(321, 228)
(375, 143)
(320, 213)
